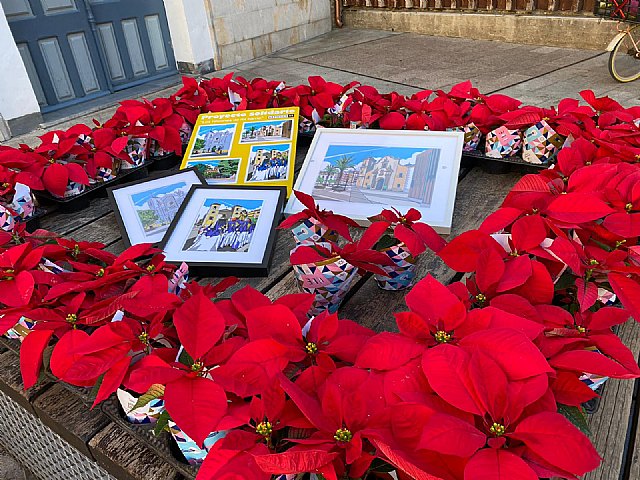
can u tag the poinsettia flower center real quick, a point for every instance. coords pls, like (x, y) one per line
(197, 366)
(593, 261)
(76, 250)
(5, 185)
(534, 210)
(9, 272)
(442, 337)
(628, 207)
(100, 273)
(514, 253)
(51, 160)
(497, 429)
(587, 163)
(72, 318)
(264, 428)
(151, 268)
(311, 348)
(343, 435)
(581, 329)
(144, 338)
(619, 243)
(481, 298)
(638, 157)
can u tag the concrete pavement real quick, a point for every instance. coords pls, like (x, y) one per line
(407, 62)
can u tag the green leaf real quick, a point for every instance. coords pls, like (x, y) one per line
(96, 387)
(185, 359)
(162, 423)
(576, 416)
(155, 391)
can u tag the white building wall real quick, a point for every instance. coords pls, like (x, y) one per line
(222, 33)
(17, 98)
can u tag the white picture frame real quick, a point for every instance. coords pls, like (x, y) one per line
(402, 169)
(162, 195)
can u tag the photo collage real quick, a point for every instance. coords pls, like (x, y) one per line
(245, 147)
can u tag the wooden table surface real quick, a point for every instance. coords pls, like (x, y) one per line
(614, 425)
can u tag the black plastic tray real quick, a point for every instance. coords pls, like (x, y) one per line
(502, 165)
(165, 162)
(82, 200)
(163, 445)
(33, 222)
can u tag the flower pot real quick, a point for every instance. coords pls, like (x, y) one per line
(541, 143)
(7, 222)
(73, 189)
(311, 230)
(503, 142)
(329, 281)
(137, 149)
(185, 132)
(103, 175)
(20, 329)
(193, 454)
(472, 136)
(143, 415)
(23, 203)
(402, 274)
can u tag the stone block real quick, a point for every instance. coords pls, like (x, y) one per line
(235, 53)
(261, 46)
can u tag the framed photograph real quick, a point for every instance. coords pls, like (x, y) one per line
(226, 230)
(144, 209)
(357, 173)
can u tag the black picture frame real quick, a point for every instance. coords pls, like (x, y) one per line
(225, 269)
(116, 208)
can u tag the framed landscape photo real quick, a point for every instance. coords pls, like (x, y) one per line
(226, 230)
(357, 173)
(144, 209)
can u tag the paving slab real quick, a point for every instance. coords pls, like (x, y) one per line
(432, 62)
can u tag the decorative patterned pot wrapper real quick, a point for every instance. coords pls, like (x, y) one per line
(306, 126)
(103, 175)
(541, 143)
(23, 203)
(402, 274)
(329, 281)
(73, 189)
(472, 136)
(155, 150)
(185, 132)
(503, 142)
(20, 329)
(190, 449)
(7, 222)
(143, 415)
(313, 231)
(137, 149)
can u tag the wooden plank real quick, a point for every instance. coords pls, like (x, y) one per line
(124, 457)
(11, 382)
(478, 194)
(66, 223)
(634, 451)
(104, 229)
(610, 422)
(64, 413)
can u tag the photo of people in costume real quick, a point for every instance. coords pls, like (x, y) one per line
(224, 226)
(268, 162)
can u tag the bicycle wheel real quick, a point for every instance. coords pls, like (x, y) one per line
(624, 61)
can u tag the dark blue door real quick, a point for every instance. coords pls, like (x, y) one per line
(75, 50)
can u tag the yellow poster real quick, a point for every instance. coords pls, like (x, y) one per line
(248, 147)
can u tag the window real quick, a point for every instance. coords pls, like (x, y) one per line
(400, 175)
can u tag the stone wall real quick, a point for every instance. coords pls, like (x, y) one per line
(246, 29)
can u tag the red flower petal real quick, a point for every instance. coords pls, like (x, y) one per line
(31, 355)
(494, 464)
(196, 404)
(199, 324)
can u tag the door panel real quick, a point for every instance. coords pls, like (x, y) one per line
(23, 48)
(154, 30)
(56, 68)
(82, 57)
(16, 9)
(110, 51)
(134, 47)
(53, 7)
(83, 48)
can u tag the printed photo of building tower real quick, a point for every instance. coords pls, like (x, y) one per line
(157, 207)
(385, 175)
(271, 131)
(212, 141)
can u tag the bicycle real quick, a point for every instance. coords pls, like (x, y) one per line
(624, 59)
